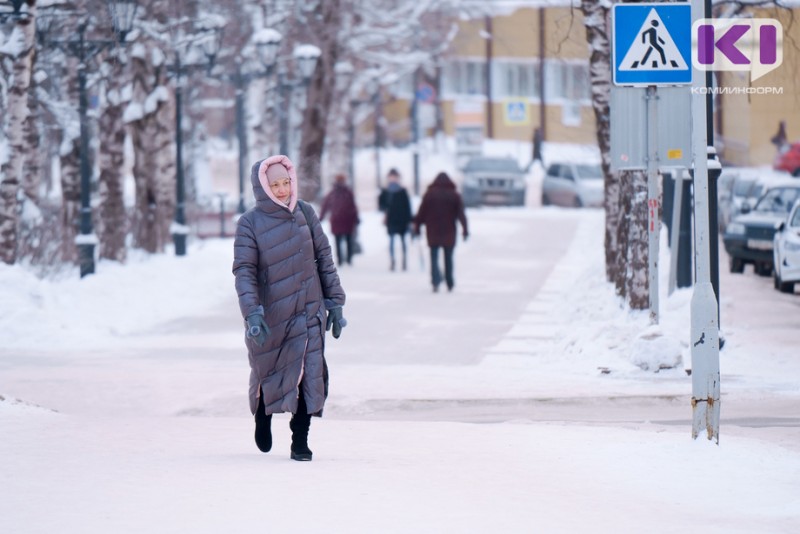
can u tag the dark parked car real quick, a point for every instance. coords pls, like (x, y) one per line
(493, 180)
(749, 236)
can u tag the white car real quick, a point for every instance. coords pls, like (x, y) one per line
(573, 185)
(786, 252)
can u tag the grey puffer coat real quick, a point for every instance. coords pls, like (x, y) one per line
(279, 268)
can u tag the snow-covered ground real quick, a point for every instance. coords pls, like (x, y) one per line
(124, 399)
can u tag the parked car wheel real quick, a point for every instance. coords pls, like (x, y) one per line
(783, 287)
(763, 268)
(736, 265)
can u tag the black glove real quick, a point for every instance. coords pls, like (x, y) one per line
(257, 328)
(465, 235)
(336, 321)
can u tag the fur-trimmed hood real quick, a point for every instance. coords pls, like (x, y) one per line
(261, 189)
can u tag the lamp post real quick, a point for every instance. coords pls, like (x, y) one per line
(305, 58)
(123, 13)
(210, 40)
(374, 87)
(15, 13)
(371, 88)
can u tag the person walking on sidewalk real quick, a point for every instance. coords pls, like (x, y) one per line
(286, 280)
(395, 204)
(341, 204)
(441, 207)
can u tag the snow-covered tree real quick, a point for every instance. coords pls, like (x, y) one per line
(149, 115)
(596, 18)
(326, 22)
(112, 220)
(380, 39)
(18, 49)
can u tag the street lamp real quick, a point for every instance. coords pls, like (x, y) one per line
(305, 57)
(15, 13)
(371, 86)
(210, 40)
(374, 89)
(123, 13)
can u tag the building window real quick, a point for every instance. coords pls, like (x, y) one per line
(577, 82)
(567, 81)
(516, 80)
(564, 81)
(403, 87)
(465, 78)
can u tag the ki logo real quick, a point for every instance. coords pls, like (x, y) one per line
(754, 45)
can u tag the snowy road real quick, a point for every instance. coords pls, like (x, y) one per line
(476, 411)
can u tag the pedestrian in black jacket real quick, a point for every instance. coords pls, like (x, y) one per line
(393, 201)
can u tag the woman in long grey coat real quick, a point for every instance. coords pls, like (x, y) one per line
(286, 281)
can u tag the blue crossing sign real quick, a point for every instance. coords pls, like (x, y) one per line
(652, 44)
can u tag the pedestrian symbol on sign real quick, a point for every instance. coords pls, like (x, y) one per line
(653, 37)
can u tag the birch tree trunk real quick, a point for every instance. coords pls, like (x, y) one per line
(622, 233)
(264, 141)
(195, 143)
(151, 120)
(112, 223)
(36, 159)
(11, 171)
(319, 99)
(338, 148)
(70, 193)
(637, 279)
(597, 34)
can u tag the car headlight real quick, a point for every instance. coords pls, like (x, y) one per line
(735, 228)
(790, 246)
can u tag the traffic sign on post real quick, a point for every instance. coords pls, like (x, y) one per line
(652, 44)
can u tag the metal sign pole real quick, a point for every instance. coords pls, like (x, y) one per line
(677, 206)
(653, 221)
(704, 330)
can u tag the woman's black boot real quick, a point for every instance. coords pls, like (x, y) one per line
(300, 423)
(263, 428)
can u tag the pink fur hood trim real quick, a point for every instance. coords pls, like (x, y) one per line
(262, 178)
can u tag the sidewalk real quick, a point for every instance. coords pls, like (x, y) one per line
(475, 411)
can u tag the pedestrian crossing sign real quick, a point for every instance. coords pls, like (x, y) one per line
(652, 44)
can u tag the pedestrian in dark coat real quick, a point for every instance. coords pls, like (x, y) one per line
(286, 280)
(341, 204)
(395, 204)
(441, 207)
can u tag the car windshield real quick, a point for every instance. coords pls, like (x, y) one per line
(796, 218)
(590, 172)
(742, 188)
(778, 200)
(492, 165)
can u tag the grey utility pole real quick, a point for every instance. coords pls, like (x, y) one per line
(705, 328)
(653, 220)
